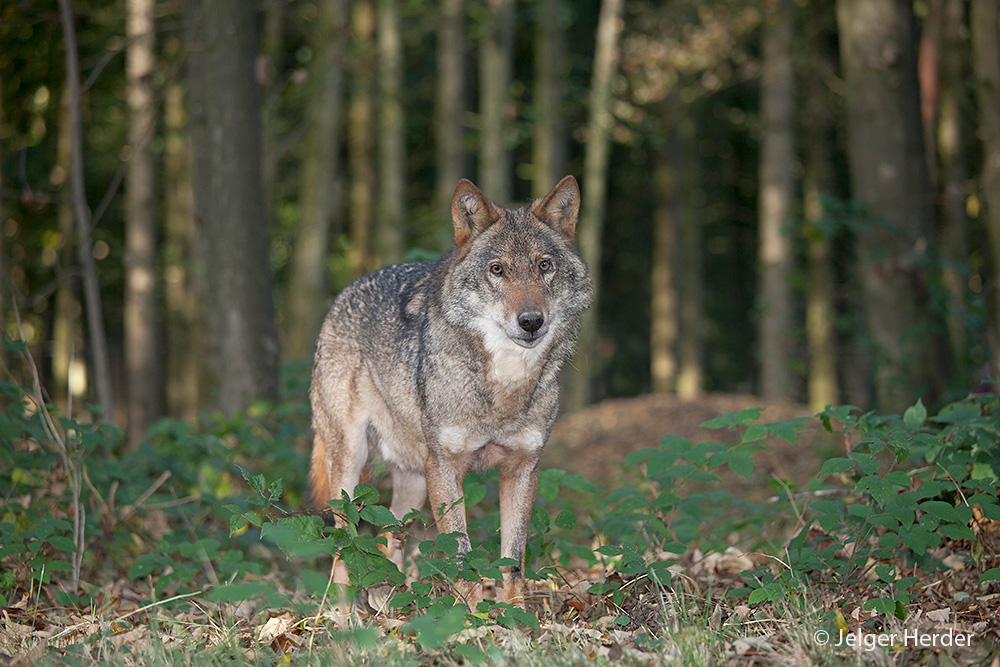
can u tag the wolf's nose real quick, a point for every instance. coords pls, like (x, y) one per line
(530, 322)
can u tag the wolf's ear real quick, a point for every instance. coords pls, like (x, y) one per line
(471, 212)
(559, 208)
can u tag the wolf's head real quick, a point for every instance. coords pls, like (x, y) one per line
(516, 276)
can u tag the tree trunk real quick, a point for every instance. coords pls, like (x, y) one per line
(182, 285)
(690, 348)
(953, 172)
(67, 352)
(663, 315)
(449, 127)
(584, 369)
(228, 199)
(142, 354)
(98, 344)
(361, 139)
(775, 201)
(549, 144)
(888, 176)
(320, 194)
(821, 340)
(984, 19)
(392, 136)
(496, 108)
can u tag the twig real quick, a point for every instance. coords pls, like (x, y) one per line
(811, 494)
(130, 509)
(71, 470)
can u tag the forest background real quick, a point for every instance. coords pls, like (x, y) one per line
(791, 197)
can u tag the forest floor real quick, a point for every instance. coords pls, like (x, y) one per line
(701, 617)
(595, 441)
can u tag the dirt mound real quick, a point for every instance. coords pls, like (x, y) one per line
(594, 442)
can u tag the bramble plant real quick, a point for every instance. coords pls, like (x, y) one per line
(187, 517)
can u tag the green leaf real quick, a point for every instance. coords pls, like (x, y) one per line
(566, 520)
(377, 515)
(256, 482)
(788, 430)
(915, 415)
(835, 466)
(433, 631)
(992, 574)
(880, 488)
(885, 606)
(579, 483)
(730, 419)
(474, 491)
(742, 465)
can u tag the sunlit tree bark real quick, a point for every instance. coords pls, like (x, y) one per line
(142, 345)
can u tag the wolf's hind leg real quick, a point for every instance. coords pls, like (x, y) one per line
(409, 491)
(339, 456)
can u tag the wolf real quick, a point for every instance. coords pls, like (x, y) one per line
(449, 366)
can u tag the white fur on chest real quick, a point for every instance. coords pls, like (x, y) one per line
(511, 365)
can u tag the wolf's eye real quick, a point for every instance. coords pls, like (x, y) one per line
(545, 265)
(496, 269)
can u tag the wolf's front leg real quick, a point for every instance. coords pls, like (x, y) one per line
(518, 486)
(445, 472)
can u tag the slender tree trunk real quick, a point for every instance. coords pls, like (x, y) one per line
(269, 71)
(984, 17)
(888, 175)
(449, 127)
(690, 346)
(776, 198)
(549, 144)
(229, 203)
(67, 354)
(142, 353)
(321, 182)
(953, 172)
(98, 344)
(183, 272)
(584, 369)
(392, 136)
(361, 139)
(823, 387)
(663, 315)
(496, 108)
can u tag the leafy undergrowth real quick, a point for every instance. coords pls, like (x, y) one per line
(184, 552)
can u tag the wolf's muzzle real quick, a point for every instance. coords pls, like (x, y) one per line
(530, 321)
